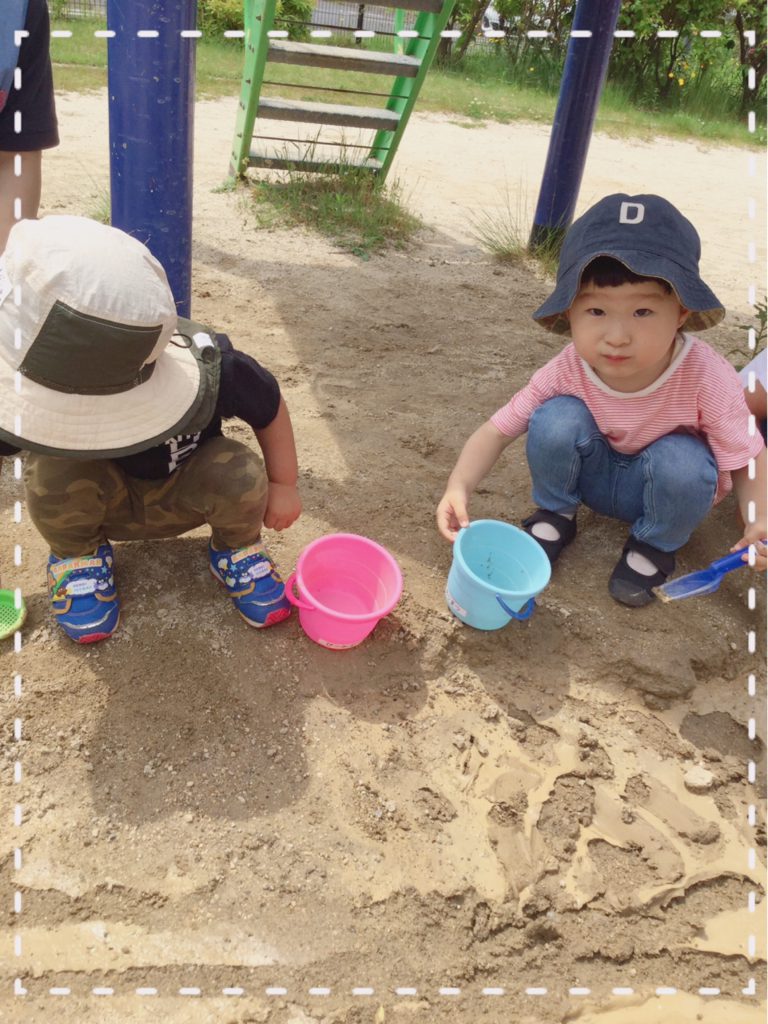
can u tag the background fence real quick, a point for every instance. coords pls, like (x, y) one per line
(80, 9)
(326, 14)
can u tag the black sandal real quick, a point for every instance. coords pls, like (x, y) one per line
(565, 527)
(633, 588)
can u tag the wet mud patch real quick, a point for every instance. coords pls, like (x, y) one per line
(626, 870)
(570, 808)
(718, 731)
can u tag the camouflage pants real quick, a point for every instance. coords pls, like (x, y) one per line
(77, 505)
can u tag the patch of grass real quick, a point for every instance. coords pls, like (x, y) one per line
(617, 115)
(451, 92)
(228, 185)
(546, 255)
(348, 207)
(483, 87)
(78, 78)
(219, 66)
(82, 47)
(80, 62)
(101, 210)
(504, 233)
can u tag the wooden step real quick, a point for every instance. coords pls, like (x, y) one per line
(342, 58)
(283, 162)
(327, 113)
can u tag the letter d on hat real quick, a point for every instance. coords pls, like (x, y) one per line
(662, 244)
(626, 208)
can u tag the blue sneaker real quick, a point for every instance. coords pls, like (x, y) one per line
(252, 581)
(83, 595)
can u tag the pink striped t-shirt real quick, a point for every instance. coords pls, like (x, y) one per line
(699, 393)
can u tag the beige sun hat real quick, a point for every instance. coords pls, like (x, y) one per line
(89, 365)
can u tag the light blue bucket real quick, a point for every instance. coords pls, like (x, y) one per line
(496, 573)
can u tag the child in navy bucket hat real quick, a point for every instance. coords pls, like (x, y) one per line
(637, 418)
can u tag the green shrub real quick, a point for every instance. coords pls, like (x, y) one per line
(295, 15)
(217, 16)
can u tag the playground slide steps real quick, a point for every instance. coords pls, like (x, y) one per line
(342, 58)
(404, 71)
(326, 113)
(308, 163)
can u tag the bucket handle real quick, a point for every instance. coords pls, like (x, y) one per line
(289, 585)
(525, 612)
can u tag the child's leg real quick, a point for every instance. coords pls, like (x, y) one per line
(668, 490)
(224, 484)
(25, 188)
(664, 492)
(563, 440)
(565, 450)
(70, 501)
(77, 504)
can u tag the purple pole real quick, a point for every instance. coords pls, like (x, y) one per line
(151, 120)
(586, 65)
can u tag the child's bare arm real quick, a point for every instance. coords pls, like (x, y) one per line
(279, 450)
(477, 458)
(748, 491)
(757, 401)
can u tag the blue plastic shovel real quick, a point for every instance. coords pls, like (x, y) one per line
(705, 581)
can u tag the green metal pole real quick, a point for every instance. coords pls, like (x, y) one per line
(405, 90)
(258, 18)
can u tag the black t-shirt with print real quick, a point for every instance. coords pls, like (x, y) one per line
(247, 392)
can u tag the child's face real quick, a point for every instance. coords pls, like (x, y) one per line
(626, 333)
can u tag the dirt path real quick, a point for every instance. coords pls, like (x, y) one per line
(220, 815)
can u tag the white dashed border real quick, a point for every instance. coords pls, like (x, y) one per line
(365, 991)
(751, 514)
(278, 991)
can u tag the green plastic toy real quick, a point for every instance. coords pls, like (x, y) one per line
(12, 615)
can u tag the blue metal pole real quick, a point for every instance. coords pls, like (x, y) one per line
(586, 65)
(151, 118)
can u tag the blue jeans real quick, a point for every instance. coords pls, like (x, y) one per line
(664, 491)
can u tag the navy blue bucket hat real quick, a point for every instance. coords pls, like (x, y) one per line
(650, 237)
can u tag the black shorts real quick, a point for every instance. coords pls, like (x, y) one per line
(34, 101)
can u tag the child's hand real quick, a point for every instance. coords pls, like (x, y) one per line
(755, 534)
(452, 514)
(283, 506)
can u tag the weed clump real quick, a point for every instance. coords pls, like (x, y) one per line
(346, 205)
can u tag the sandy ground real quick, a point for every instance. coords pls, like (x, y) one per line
(227, 826)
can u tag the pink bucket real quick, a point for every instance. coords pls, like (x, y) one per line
(346, 583)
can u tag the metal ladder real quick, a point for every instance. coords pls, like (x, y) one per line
(408, 69)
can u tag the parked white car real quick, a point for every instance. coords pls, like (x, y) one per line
(492, 19)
